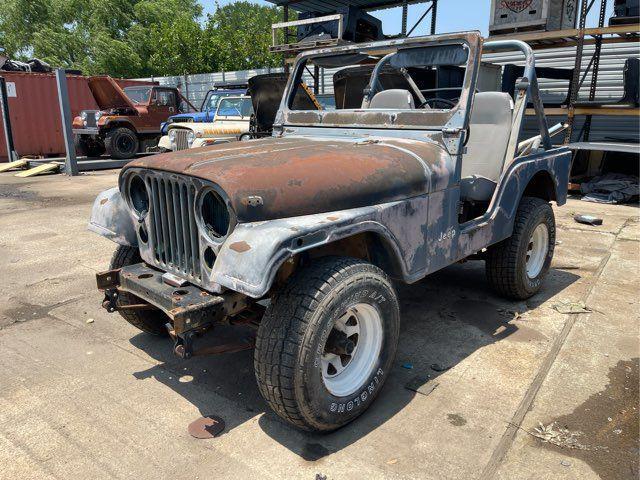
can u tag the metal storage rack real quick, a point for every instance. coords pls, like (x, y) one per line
(579, 37)
(290, 49)
(329, 8)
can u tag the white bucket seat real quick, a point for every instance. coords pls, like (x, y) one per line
(489, 132)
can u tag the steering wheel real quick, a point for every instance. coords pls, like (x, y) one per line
(447, 103)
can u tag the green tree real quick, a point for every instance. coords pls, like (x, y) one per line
(237, 36)
(136, 38)
(168, 35)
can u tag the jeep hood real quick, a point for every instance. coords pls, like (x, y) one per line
(108, 94)
(301, 175)
(183, 117)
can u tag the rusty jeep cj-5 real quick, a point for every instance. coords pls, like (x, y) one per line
(300, 235)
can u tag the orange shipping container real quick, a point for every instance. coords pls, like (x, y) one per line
(35, 112)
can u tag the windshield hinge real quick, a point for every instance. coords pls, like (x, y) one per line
(451, 130)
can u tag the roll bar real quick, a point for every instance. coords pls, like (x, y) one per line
(527, 86)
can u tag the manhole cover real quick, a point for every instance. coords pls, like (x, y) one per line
(206, 427)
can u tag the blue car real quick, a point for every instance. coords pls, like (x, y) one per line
(209, 105)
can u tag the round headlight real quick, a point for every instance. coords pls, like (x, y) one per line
(172, 136)
(215, 215)
(97, 116)
(83, 115)
(138, 195)
(190, 138)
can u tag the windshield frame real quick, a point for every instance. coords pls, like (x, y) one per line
(244, 98)
(418, 119)
(221, 93)
(138, 87)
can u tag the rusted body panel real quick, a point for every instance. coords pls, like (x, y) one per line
(302, 176)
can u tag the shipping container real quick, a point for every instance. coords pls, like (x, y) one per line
(35, 112)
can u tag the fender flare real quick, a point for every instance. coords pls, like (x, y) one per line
(110, 124)
(251, 256)
(111, 219)
(497, 223)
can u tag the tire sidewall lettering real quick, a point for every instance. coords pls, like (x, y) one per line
(360, 398)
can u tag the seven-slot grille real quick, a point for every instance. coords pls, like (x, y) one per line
(181, 139)
(91, 118)
(173, 229)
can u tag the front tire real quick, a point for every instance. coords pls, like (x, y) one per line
(149, 321)
(327, 342)
(517, 266)
(87, 146)
(121, 143)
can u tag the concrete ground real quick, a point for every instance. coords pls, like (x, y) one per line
(528, 391)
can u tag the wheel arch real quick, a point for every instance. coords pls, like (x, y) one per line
(541, 185)
(111, 125)
(369, 245)
(257, 255)
(543, 175)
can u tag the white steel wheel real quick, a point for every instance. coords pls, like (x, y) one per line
(537, 250)
(352, 349)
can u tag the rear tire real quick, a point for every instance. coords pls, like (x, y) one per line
(121, 143)
(332, 307)
(149, 321)
(517, 266)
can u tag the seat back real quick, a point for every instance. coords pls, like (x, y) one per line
(489, 132)
(395, 98)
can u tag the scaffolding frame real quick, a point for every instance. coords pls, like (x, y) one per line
(579, 37)
(289, 49)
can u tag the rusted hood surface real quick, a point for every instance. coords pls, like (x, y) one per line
(108, 94)
(301, 175)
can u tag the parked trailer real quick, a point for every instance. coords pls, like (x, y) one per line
(35, 112)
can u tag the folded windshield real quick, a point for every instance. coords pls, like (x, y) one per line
(415, 78)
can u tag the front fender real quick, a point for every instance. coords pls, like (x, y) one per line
(110, 218)
(165, 143)
(251, 256)
(116, 122)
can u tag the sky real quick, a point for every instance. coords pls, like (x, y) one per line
(453, 15)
